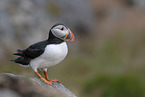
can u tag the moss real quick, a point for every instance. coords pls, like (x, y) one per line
(118, 86)
(124, 86)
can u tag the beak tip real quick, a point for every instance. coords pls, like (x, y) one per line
(72, 38)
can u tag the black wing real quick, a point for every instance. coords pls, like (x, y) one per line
(35, 50)
(33, 53)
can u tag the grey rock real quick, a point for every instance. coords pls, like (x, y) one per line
(21, 86)
(8, 93)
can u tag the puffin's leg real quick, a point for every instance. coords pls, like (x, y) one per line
(48, 82)
(45, 73)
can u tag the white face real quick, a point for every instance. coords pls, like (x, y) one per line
(60, 31)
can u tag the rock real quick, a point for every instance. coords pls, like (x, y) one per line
(20, 86)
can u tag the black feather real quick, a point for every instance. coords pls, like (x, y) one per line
(19, 52)
(13, 60)
(22, 60)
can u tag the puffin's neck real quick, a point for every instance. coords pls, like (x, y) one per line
(53, 39)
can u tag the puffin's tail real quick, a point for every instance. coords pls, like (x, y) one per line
(22, 60)
(19, 52)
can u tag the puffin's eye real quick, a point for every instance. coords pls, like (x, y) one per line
(62, 28)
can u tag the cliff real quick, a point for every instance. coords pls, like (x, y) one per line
(20, 86)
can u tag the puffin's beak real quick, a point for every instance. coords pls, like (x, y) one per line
(69, 36)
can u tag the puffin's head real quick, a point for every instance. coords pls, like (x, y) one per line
(63, 32)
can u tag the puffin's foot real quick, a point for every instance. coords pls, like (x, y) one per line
(53, 80)
(48, 82)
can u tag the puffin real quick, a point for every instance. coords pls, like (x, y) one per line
(47, 53)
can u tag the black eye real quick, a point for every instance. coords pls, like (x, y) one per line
(62, 28)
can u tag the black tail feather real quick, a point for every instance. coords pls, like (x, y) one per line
(13, 60)
(22, 60)
(19, 52)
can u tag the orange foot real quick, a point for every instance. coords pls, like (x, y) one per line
(54, 80)
(48, 82)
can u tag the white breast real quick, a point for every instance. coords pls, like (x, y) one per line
(53, 54)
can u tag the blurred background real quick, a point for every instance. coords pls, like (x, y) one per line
(107, 58)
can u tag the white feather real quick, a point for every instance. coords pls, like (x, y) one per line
(24, 65)
(53, 54)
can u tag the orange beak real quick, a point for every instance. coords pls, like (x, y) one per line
(69, 36)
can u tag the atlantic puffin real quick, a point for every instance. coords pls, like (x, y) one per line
(47, 53)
